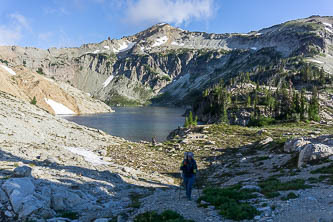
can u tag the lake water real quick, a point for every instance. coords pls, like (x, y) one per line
(135, 123)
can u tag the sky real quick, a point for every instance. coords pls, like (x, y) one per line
(71, 23)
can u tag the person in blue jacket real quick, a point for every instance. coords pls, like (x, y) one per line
(188, 171)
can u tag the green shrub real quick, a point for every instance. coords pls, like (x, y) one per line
(230, 202)
(261, 121)
(40, 71)
(166, 216)
(271, 186)
(33, 101)
(68, 214)
(290, 195)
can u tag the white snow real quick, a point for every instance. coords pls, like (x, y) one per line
(160, 41)
(127, 45)
(9, 70)
(329, 30)
(96, 51)
(316, 61)
(59, 108)
(254, 48)
(327, 24)
(89, 156)
(106, 47)
(257, 34)
(107, 81)
(162, 23)
(142, 48)
(176, 43)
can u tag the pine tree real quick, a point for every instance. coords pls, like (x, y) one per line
(34, 101)
(248, 104)
(313, 110)
(302, 105)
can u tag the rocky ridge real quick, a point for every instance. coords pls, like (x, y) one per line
(172, 62)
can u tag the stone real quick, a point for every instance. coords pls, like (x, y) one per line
(24, 185)
(101, 220)
(313, 152)
(64, 200)
(294, 145)
(8, 214)
(266, 141)
(251, 187)
(203, 202)
(23, 171)
(3, 196)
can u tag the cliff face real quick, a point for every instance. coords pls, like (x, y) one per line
(56, 98)
(172, 64)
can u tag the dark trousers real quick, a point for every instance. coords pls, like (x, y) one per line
(188, 184)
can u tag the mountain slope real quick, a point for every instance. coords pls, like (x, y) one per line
(56, 98)
(174, 62)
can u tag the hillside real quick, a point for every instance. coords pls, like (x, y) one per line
(46, 93)
(172, 65)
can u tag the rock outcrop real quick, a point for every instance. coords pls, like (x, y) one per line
(174, 63)
(310, 149)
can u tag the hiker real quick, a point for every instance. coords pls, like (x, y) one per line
(153, 141)
(188, 172)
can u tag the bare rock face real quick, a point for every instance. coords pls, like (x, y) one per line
(310, 149)
(56, 98)
(23, 171)
(171, 62)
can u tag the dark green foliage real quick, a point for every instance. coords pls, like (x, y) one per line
(325, 170)
(4, 61)
(314, 106)
(189, 121)
(290, 195)
(166, 216)
(271, 186)
(40, 71)
(230, 202)
(261, 121)
(33, 101)
(68, 214)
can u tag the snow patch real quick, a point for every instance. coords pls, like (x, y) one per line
(142, 48)
(316, 61)
(107, 81)
(254, 48)
(9, 70)
(106, 47)
(161, 24)
(329, 30)
(160, 41)
(59, 108)
(258, 34)
(327, 24)
(176, 43)
(89, 156)
(124, 46)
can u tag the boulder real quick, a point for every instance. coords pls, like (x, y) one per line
(20, 192)
(266, 141)
(64, 200)
(23, 171)
(294, 145)
(313, 152)
(3, 196)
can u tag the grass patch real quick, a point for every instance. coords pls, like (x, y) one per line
(68, 214)
(166, 216)
(271, 186)
(231, 202)
(290, 195)
(324, 170)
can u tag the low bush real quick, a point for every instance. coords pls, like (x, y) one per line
(166, 216)
(230, 202)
